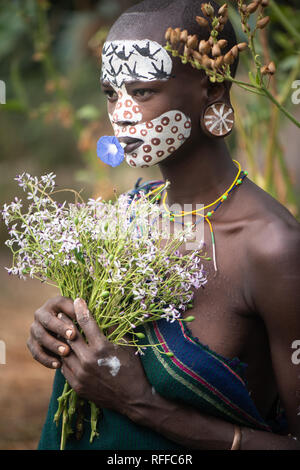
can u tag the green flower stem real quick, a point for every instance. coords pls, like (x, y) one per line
(61, 402)
(264, 91)
(282, 108)
(94, 421)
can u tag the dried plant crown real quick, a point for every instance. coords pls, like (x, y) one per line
(212, 54)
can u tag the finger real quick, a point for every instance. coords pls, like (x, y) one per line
(78, 345)
(46, 340)
(70, 327)
(40, 356)
(51, 323)
(69, 376)
(72, 362)
(87, 323)
(61, 304)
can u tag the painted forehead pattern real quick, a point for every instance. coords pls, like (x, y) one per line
(127, 60)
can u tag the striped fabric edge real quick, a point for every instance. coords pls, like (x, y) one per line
(242, 417)
(210, 352)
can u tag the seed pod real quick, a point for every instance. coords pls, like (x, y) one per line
(105, 294)
(189, 319)
(168, 34)
(272, 68)
(261, 24)
(177, 31)
(173, 38)
(264, 70)
(242, 46)
(245, 28)
(140, 335)
(192, 41)
(252, 7)
(223, 10)
(207, 62)
(244, 8)
(222, 43)
(220, 27)
(219, 62)
(183, 36)
(211, 41)
(216, 50)
(228, 58)
(223, 19)
(197, 56)
(204, 47)
(235, 51)
(187, 52)
(207, 9)
(202, 21)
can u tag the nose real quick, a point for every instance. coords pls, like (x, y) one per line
(126, 112)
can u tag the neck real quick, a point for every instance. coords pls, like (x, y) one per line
(199, 175)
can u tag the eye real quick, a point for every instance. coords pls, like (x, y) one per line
(111, 95)
(143, 93)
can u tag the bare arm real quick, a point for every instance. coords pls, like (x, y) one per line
(276, 295)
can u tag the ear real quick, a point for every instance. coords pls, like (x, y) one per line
(217, 92)
(217, 118)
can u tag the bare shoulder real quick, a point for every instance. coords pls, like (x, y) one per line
(272, 250)
(273, 233)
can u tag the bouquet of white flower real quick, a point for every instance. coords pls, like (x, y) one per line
(115, 255)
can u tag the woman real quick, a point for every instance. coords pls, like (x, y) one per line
(167, 113)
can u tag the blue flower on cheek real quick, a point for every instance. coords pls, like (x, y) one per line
(110, 151)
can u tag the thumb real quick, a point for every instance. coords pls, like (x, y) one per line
(81, 311)
(86, 321)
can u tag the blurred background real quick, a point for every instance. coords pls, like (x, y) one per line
(55, 113)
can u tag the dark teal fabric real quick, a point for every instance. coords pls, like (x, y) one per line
(116, 432)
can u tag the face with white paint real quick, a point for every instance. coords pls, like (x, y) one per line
(135, 77)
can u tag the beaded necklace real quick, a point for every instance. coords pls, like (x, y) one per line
(241, 175)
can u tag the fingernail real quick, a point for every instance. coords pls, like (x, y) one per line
(61, 349)
(81, 309)
(55, 365)
(69, 333)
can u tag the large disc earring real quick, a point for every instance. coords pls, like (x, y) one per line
(218, 120)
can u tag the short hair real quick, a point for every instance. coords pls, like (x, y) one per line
(154, 17)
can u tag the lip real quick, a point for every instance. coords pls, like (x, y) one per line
(131, 143)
